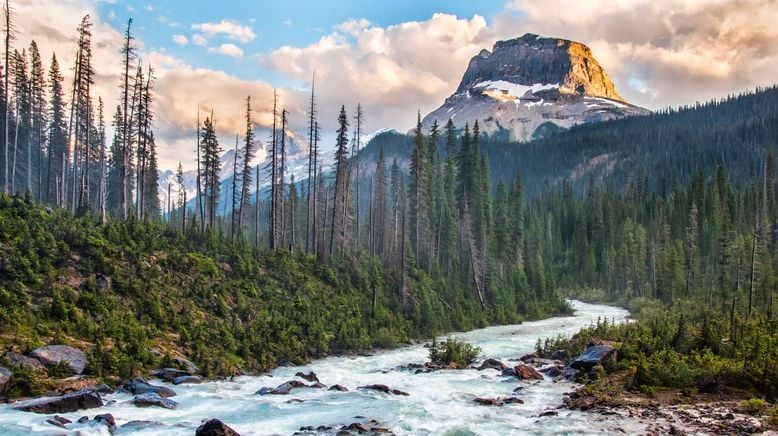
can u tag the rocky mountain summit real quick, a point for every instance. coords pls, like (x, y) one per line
(528, 85)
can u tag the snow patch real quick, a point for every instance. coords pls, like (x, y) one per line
(607, 101)
(514, 90)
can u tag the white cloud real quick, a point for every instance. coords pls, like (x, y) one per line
(392, 71)
(287, 23)
(231, 50)
(198, 39)
(666, 52)
(231, 29)
(180, 39)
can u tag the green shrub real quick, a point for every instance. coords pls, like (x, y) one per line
(453, 351)
(753, 405)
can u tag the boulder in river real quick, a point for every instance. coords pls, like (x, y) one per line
(107, 420)
(170, 374)
(188, 379)
(138, 386)
(59, 421)
(52, 355)
(593, 355)
(83, 399)
(526, 372)
(553, 370)
(153, 399)
(340, 388)
(215, 427)
(499, 401)
(385, 389)
(493, 364)
(285, 388)
(311, 376)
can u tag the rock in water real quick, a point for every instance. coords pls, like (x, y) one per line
(170, 374)
(108, 420)
(526, 372)
(152, 399)
(493, 364)
(592, 356)
(339, 388)
(139, 386)
(215, 427)
(52, 355)
(531, 86)
(385, 389)
(188, 379)
(83, 399)
(59, 421)
(311, 376)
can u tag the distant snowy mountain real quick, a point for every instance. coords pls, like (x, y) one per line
(297, 164)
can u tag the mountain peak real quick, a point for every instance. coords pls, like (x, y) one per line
(531, 59)
(532, 81)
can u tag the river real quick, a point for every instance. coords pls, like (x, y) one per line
(439, 403)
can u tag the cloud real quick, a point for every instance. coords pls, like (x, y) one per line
(198, 39)
(231, 50)
(287, 23)
(180, 39)
(231, 29)
(666, 52)
(392, 71)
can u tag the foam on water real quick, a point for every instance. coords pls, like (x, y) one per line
(439, 403)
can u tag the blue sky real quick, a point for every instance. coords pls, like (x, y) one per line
(274, 23)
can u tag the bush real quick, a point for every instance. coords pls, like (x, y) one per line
(453, 351)
(753, 405)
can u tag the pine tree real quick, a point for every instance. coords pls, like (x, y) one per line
(418, 194)
(57, 146)
(248, 155)
(338, 233)
(210, 172)
(38, 113)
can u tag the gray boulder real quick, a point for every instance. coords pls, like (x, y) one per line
(24, 361)
(215, 427)
(188, 379)
(170, 374)
(592, 356)
(5, 380)
(493, 364)
(52, 355)
(153, 400)
(83, 399)
(187, 365)
(139, 386)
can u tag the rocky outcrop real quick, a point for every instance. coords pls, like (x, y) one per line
(215, 427)
(53, 355)
(84, 399)
(593, 355)
(532, 59)
(24, 361)
(530, 86)
(153, 400)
